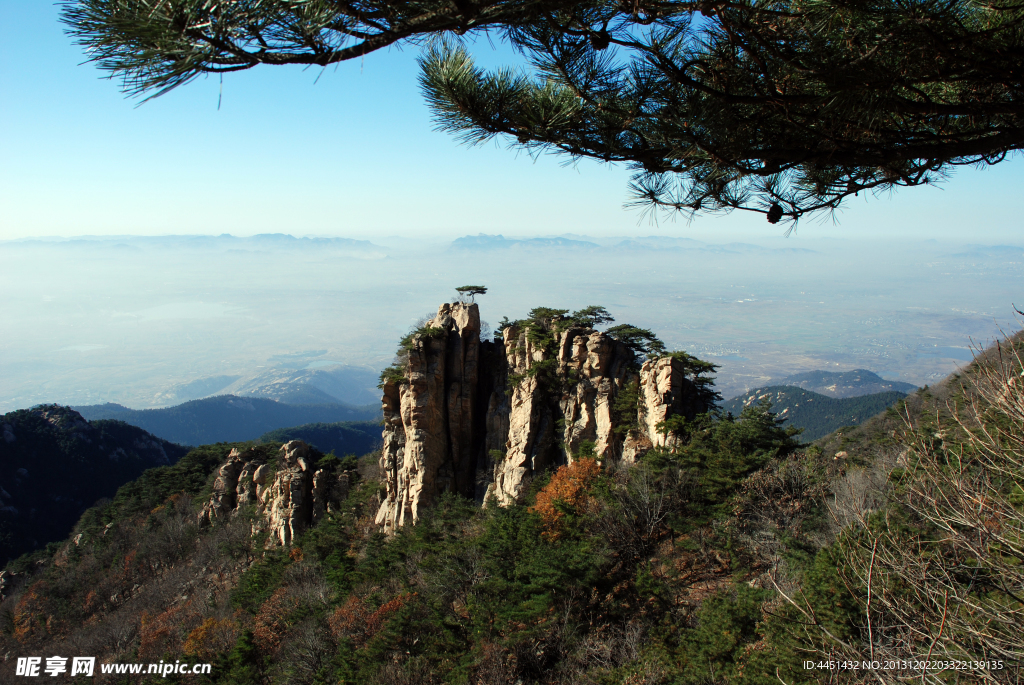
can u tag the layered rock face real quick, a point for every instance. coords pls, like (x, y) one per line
(482, 418)
(288, 494)
(548, 423)
(431, 418)
(664, 391)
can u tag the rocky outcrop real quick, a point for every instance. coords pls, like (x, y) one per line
(555, 415)
(482, 418)
(431, 417)
(288, 499)
(664, 391)
(225, 486)
(289, 494)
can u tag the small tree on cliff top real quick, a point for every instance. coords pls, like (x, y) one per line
(591, 317)
(470, 291)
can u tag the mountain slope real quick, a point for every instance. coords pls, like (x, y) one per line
(226, 418)
(841, 384)
(54, 464)
(346, 437)
(817, 414)
(664, 572)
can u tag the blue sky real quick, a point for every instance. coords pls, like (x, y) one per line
(353, 154)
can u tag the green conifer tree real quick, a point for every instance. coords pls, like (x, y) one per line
(783, 107)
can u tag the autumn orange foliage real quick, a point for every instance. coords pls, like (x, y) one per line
(162, 633)
(568, 490)
(378, 618)
(28, 613)
(127, 570)
(271, 620)
(349, 619)
(355, 621)
(92, 602)
(212, 637)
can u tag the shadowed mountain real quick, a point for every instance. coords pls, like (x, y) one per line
(346, 437)
(54, 465)
(227, 418)
(817, 414)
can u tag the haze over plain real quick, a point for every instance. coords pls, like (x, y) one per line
(127, 319)
(350, 153)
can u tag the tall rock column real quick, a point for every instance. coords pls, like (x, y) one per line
(601, 367)
(429, 416)
(458, 411)
(531, 445)
(462, 370)
(492, 416)
(664, 391)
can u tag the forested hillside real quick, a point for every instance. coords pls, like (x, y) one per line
(342, 438)
(818, 415)
(226, 418)
(733, 555)
(54, 465)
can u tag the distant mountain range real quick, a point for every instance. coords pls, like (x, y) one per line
(272, 242)
(484, 241)
(845, 383)
(500, 242)
(227, 418)
(817, 414)
(54, 465)
(291, 381)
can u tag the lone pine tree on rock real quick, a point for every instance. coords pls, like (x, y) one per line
(471, 291)
(782, 107)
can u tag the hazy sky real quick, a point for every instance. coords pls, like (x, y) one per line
(353, 153)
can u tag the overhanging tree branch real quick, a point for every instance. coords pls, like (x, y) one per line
(784, 107)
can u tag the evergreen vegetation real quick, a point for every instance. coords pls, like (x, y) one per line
(781, 109)
(734, 555)
(471, 291)
(817, 415)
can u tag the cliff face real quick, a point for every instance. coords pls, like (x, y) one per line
(664, 391)
(548, 422)
(431, 418)
(482, 419)
(288, 493)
